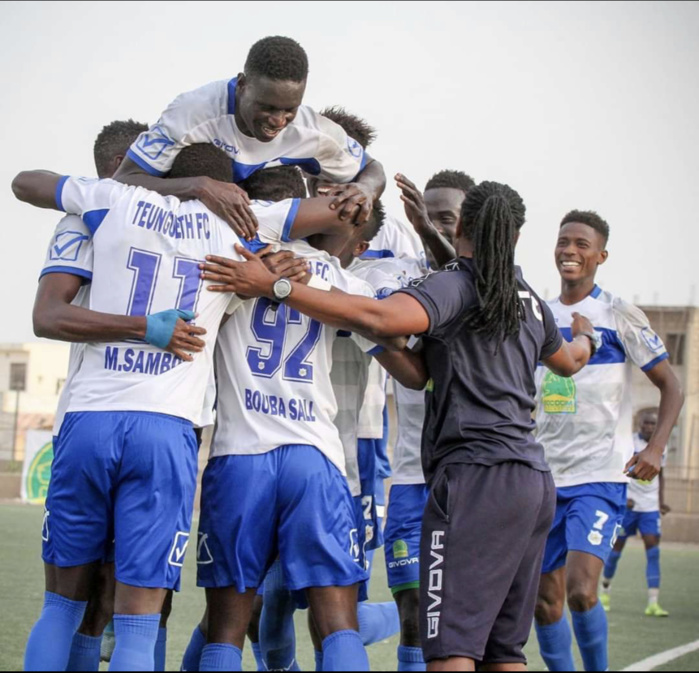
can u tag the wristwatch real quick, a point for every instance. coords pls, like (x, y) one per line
(281, 289)
(595, 341)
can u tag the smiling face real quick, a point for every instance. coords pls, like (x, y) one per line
(579, 252)
(265, 107)
(443, 208)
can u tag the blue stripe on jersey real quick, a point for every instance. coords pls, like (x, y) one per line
(596, 292)
(289, 221)
(657, 361)
(59, 192)
(310, 166)
(362, 166)
(377, 350)
(73, 271)
(244, 171)
(612, 351)
(143, 164)
(93, 219)
(377, 254)
(254, 245)
(231, 95)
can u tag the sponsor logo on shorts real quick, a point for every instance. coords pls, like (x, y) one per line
(179, 549)
(204, 555)
(45, 526)
(400, 549)
(434, 589)
(559, 395)
(404, 563)
(39, 475)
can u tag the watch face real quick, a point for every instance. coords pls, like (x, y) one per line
(282, 289)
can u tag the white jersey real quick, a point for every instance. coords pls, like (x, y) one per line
(396, 238)
(206, 115)
(585, 422)
(147, 249)
(645, 494)
(386, 276)
(70, 251)
(273, 363)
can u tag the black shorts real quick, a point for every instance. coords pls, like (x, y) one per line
(483, 537)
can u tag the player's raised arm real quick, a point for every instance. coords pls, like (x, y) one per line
(38, 188)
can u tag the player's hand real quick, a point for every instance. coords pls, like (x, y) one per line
(646, 464)
(414, 204)
(171, 331)
(581, 324)
(630, 503)
(353, 200)
(230, 203)
(665, 509)
(284, 264)
(185, 340)
(247, 279)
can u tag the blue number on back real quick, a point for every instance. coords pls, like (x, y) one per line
(145, 265)
(269, 323)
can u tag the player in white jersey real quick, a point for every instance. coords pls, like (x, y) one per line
(645, 506)
(128, 432)
(585, 426)
(435, 213)
(257, 118)
(67, 272)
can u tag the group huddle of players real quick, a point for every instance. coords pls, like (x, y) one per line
(209, 282)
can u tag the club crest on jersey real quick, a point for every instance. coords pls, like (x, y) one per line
(653, 341)
(154, 142)
(66, 246)
(179, 549)
(354, 148)
(595, 538)
(559, 394)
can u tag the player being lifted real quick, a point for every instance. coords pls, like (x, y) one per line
(258, 119)
(645, 506)
(585, 426)
(485, 330)
(129, 428)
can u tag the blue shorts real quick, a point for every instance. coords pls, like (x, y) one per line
(382, 461)
(291, 502)
(406, 505)
(646, 523)
(366, 504)
(588, 519)
(127, 477)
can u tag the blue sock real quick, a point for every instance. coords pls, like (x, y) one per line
(84, 653)
(377, 621)
(591, 633)
(277, 632)
(556, 645)
(653, 567)
(259, 660)
(220, 657)
(611, 564)
(319, 661)
(343, 651)
(134, 637)
(57, 625)
(411, 659)
(160, 649)
(192, 655)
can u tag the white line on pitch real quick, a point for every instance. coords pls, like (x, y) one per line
(663, 658)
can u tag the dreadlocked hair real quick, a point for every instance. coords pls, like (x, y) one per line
(491, 216)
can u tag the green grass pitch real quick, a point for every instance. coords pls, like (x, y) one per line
(633, 636)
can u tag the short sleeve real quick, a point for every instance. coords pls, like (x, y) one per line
(183, 123)
(70, 250)
(340, 157)
(445, 295)
(275, 220)
(553, 339)
(643, 346)
(90, 198)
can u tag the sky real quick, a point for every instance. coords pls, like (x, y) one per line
(588, 105)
